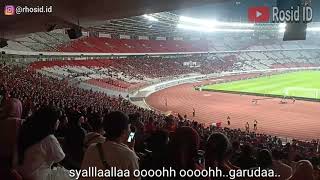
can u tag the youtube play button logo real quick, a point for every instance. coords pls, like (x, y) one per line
(259, 14)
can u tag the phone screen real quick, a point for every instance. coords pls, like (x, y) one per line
(131, 136)
(201, 161)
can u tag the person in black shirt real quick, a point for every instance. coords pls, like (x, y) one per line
(255, 125)
(74, 141)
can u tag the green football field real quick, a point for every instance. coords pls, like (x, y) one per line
(299, 84)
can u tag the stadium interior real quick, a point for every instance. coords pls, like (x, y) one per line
(184, 84)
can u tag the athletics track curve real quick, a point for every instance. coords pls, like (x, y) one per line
(299, 120)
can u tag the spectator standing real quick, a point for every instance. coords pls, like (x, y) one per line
(183, 151)
(38, 148)
(97, 136)
(74, 141)
(114, 152)
(216, 153)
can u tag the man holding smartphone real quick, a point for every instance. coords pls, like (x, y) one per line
(117, 152)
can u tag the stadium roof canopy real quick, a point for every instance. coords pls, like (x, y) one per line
(135, 17)
(87, 13)
(168, 24)
(158, 24)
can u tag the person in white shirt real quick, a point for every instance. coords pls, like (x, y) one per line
(38, 148)
(116, 153)
(97, 135)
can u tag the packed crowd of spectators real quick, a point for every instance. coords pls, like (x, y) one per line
(137, 68)
(159, 67)
(107, 45)
(153, 67)
(52, 123)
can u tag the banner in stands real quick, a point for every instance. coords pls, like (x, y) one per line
(191, 64)
(104, 35)
(122, 36)
(178, 38)
(85, 33)
(161, 38)
(143, 37)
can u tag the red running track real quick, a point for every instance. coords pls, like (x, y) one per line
(300, 120)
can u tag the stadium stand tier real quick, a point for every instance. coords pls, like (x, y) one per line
(85, 108)
(107, 45)
(48, 118)
(59, 42)
(127, 74)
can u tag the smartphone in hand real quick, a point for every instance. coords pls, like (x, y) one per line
(131, 136)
